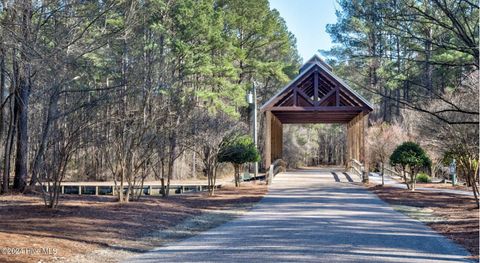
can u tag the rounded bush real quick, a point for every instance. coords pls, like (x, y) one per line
(423, 178)
(410, 154)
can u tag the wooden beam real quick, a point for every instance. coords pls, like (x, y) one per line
(337, 96)
(326, 97)
(305, 96)
(338, 84)
(347, 100)
(326, 87)
(305, 76)
(287, 99)
(295, 98)
(319, 108)
(314, 121)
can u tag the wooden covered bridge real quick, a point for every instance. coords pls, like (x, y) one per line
(316, 95)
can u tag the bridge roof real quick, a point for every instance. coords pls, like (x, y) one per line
(316, 95)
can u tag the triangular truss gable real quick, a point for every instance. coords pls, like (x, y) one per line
(315, 88)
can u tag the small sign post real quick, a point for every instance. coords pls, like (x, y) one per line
(453, 172)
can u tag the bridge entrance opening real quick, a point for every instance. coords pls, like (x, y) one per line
(314, 145)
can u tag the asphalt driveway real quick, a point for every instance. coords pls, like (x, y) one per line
(315, 215)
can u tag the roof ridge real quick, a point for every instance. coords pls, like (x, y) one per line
(316, 59)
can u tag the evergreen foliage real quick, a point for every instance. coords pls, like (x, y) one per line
(122, 81)
(238, 151)
(402, 54)
(410, 157)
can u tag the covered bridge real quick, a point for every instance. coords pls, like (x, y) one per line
(316, 95)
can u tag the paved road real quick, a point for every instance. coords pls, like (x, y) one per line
(308, 216)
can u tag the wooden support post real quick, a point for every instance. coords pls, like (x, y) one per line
(276, 139)
(268, 139)
(280, 140)
(149, 191)
(364, 123)
(80, 190)
(356, 139)
(63, 189)
(96, 190)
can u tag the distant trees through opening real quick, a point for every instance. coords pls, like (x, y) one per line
(314, 144)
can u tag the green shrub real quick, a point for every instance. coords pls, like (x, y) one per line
(423, 178)
(238, 150)
(411, 158)
(410, 154)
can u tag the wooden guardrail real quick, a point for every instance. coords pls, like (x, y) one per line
(102, 188)
(276, 167)
(356, 166)
(392, 172)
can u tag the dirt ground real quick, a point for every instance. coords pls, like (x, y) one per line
(460, 185)
(445, 186)
(459, 217)
(29, 232)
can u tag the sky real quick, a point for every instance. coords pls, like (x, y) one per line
(307, 20)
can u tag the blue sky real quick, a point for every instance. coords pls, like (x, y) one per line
(307, 20)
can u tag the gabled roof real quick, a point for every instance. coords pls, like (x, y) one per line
(316, 63)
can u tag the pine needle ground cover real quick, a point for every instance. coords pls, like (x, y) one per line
(454, 216)
(89, 228)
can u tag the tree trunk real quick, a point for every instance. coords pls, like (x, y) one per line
(413, 179)
(2, 89)
(405, 178)
(162, 179)
(237, 175)
(428, 54)
(120, 188)
(211, 185)
(214, 178)
(169, 176)
(21, 101)
(171, 159)
(51, 114)
(8, 150)
(21, 107)
(383, 174)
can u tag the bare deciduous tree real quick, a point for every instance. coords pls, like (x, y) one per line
(382, 139)
(210, 132)
(459, 141)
